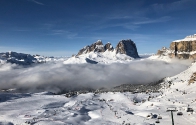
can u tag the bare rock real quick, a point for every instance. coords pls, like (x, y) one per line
(95, 47)
(108, 47)
(127, 47)
(184, 48)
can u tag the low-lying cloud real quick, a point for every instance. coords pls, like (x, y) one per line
(59, 77)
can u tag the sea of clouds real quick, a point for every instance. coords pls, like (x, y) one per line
(60, 77)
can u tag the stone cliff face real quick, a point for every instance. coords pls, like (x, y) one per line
(95, 47)
(184, 49)
(108, 47)
(127, 47)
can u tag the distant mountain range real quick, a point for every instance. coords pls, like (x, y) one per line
(125, 51)
(25, 59)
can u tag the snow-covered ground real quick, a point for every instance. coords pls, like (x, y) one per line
(104, 108)
(187, 38)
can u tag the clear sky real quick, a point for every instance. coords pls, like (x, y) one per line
(62, 27)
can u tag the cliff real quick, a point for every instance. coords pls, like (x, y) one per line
(184, 48)
(127, 47)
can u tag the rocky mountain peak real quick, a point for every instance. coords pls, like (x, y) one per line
(127, 47)
(95, 47)
(108, 47)
(162, 51)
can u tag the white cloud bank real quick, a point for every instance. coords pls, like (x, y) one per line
(59, 77)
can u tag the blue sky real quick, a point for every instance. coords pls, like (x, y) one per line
(62, 27)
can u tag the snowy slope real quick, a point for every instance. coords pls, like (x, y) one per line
(105, 108)
(187, 38)
(43, 59)
(106, 57)
(165, 58)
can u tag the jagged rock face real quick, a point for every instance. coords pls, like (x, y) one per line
(183, 46)
(127, 47)
(162, 51)
(108, 47)
(183, 49)
(95, 47)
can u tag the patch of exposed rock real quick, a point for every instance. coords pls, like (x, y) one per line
(108, 47)
(193, 78)
(127, 47)
(162, 51)
(95, 47)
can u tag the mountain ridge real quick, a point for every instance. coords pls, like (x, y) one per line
(97, 52)
(127, 47)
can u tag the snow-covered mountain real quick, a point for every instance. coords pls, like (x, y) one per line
(181, 49)
(184, 48)
(26, 59)
(17, 58)
(125, 51)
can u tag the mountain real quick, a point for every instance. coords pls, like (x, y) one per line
(127, 47)
(17, 58)
(95, 47)
(26, 59)
(181, 49)
(184, 48)
(97, 52)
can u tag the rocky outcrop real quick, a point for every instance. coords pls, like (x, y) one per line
(185, 48)
(95, 47)
(193, 78)
(108, 47)
(127, 47)
(162, 51)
